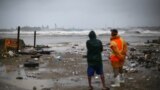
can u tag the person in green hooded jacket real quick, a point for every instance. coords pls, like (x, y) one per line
(94, 59)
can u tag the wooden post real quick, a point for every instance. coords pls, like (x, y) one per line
(18, 34)
(34, 39)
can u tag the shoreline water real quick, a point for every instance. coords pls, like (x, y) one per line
(57, 39)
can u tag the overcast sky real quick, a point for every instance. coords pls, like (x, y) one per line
(79, 13)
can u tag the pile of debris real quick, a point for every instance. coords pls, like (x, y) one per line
(156, 41)
(9, 47)
(145, 56)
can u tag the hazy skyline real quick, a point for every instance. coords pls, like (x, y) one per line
(79, 13)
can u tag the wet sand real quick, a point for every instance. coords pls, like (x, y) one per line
(67, 71)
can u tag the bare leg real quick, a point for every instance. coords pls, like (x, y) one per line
(116, 78)
(116, 72)
(122, 79)
(121, 70)
(103, 81)
(89, 82)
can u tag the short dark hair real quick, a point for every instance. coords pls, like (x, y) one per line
(114, 30)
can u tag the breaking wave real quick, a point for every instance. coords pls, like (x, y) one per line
(60, 32)
(81, 32)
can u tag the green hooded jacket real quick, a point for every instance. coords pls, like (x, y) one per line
(94, 49)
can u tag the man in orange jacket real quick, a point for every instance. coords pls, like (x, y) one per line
(118, 48)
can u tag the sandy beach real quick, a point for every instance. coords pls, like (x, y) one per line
(65, 67)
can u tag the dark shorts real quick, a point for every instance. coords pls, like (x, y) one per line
(92, 69)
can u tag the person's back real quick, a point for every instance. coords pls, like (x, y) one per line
(94, 59)
(95, 48)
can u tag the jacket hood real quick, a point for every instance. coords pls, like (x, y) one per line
(92, 35)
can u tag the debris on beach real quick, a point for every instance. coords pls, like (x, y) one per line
(36, 56)
(44, 63)
(31, 64)
(34, 51)
(11, 53)
(145, 55)
(28, 51)
(20, 78)
(45, 51)
(156, 41)
(9, 47)
(38, 47)
(58, 58)
(34, 88)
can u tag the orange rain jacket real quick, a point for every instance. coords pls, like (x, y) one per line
(119, 49)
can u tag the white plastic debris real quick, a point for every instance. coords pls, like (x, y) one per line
(130, 78)
(35, 59)
(76, 72)
(96, 77)
(19, 50)
(11, 53)
(133, 64)
(20, 66)
(58, 57)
